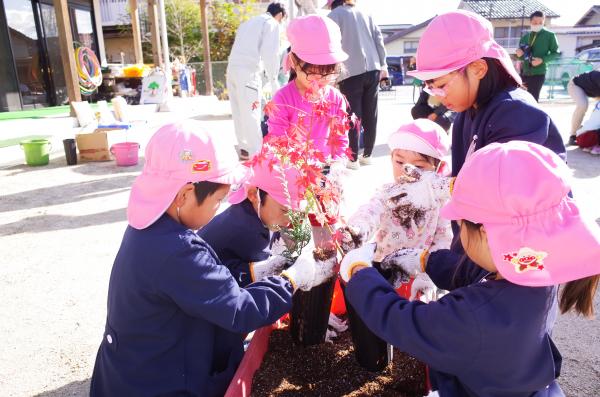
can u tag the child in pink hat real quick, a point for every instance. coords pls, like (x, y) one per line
(492, 336)
(461, 64)
(246, 236)
(406, 212)
(176, 316)
(315, 60)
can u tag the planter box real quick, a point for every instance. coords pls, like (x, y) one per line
(241, 384)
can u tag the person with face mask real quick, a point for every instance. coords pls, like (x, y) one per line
(536, 49)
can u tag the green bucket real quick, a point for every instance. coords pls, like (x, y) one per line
(37, 151)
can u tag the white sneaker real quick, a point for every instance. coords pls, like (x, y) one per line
(365, 160)
(587, 149)
(353, 165)
(595, 150)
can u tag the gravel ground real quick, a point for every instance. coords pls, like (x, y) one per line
(60, 228)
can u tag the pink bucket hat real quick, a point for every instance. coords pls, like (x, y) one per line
(519, 192)
(316, 39)
(454, 40)
(422, 136)
(178, 154)
(268, 175)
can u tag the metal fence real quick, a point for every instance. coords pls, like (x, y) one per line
(218, 74)
(561, 71)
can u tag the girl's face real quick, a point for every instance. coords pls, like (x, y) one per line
(272, 214)
(403, 156)
(307, 78)
(194, 215)
(458, 89)
(476, 247)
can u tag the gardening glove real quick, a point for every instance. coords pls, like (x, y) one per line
(279, 245)
(440, 185)
(407, 260)
(423, 284)
(330, 335)
(362, 256)
(337, 323)
(307, 272)
(398, 278)
(351, 237)
(269, 267)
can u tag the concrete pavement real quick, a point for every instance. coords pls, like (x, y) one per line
(60, 228)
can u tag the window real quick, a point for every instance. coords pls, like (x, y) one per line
(410, 47)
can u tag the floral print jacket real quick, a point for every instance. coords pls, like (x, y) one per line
(406, 215)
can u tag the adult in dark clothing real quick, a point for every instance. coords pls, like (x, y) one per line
(428, 107)
(536, 49)
(366, 66)
(582, 87)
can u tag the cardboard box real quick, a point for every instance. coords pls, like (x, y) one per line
(93, 146)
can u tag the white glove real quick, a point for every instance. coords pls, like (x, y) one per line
(408, 260)
(351, 238)
(279, 246)
(439, 184)
(362, 256)
(269, 267)
(307, 272)
(336, 323)
(423, 284)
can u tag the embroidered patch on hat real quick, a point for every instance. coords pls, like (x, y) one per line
(185, 155)
(526, 259)
(201, 166)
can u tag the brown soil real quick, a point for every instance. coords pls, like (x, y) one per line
(322, 254)
(331, 370)
(408, 212)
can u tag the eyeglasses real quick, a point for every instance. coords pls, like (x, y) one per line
(442, 91)
(311, 76)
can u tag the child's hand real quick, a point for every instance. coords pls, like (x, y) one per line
(423, 284)
(351, 238)
(269, 267)
(361, 257)
(308, 272)
(411, 174)
(408, 260)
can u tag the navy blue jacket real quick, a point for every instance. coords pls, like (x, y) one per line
(239, 238)
(488, 339)
(510, 115)
(176, 317)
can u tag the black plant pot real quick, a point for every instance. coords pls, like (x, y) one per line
(310, 314)
(372, 352)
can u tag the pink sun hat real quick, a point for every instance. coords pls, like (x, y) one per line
(178, 154)
(519, 192)
(453, 40)
(270, 175)
(422, 136)
(316, 39)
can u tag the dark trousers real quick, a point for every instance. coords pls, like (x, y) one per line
(534, 84)
(361, 92)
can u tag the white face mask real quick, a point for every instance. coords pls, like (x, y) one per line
(536, 28)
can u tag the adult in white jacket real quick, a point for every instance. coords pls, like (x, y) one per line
(255, 49)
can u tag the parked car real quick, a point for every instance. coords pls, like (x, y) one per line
(396, 67)
(591, 55)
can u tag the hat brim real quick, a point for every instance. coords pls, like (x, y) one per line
(565, 247)
(236, 175)
(150, 198)
(425, 75)
(151, 195)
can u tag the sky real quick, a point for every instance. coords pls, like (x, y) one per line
(399, 11)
